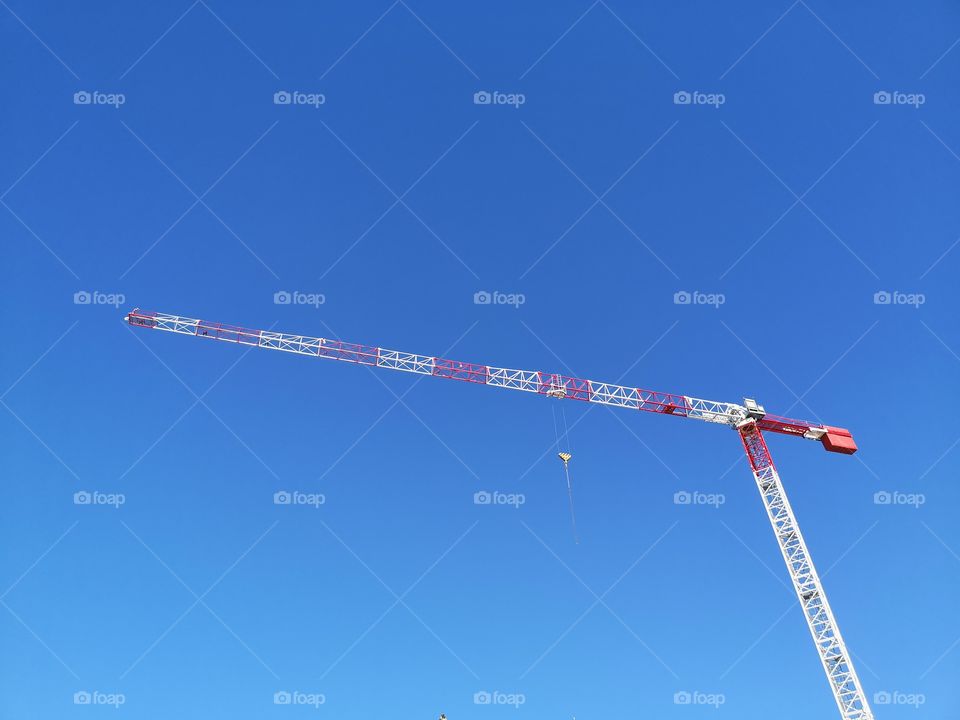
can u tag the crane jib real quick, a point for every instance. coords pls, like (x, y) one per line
(550, 384)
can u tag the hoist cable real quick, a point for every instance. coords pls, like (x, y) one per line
(566, 466)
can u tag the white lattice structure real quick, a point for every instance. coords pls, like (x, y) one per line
(826, 635)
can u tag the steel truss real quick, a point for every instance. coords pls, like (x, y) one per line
(837, 664)
(551, 384)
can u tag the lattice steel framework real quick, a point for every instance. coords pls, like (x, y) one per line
(747, 419)
(534, 381)
(823, 627)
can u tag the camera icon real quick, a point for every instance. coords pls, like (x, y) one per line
(82, 697)
(482, 698)
(282, 297)
(882, 498)
(282, 97)
(82, 97)
(82, 498)
(482, 298)
(482, 97)
(882, 297)
(682, 698)
(882, 698)
(82, 297)
(482, 498)
(682, 297)
(282, 497)
(682, 498)
(682, 97)
(882, 97)
(282, 697)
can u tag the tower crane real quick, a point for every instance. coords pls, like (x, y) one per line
(749, 419)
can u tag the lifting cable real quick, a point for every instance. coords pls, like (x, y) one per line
(565, 456)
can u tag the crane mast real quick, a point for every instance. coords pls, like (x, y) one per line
(748, 419)
(843, 679)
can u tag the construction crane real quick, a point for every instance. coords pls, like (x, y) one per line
(749, 420)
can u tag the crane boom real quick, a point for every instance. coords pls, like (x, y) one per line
(749, 419)
(551, 384)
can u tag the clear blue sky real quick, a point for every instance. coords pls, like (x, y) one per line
(787, 186)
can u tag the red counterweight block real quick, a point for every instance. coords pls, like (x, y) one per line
(838, 440)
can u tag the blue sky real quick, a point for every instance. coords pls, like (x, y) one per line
(812, 175)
